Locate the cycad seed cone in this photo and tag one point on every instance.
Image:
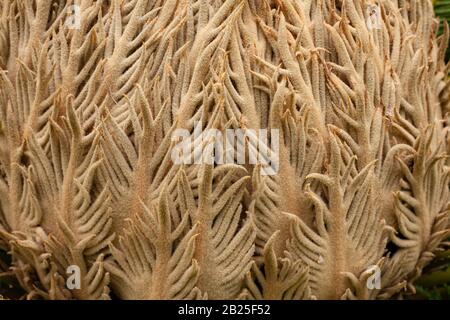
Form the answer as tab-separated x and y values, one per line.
354	95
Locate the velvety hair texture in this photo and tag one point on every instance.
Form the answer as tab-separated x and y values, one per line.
91	93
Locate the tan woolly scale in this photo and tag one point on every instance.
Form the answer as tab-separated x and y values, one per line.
87	117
